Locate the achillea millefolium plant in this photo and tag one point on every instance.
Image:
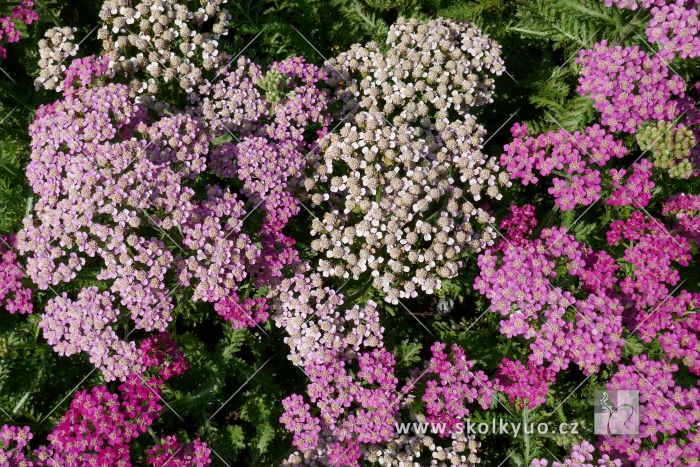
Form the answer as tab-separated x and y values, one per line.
350	233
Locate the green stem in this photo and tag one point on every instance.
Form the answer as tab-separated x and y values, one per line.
526	437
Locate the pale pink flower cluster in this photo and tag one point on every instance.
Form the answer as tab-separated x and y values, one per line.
669	416
87	324
352	384
582	455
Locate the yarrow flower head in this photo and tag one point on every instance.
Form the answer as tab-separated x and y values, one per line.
401	180
671	147
352	384
410	449
571	157
159	43
100	424
172	453
15	296
520	282
582	454
55	48
669	416
453	388
526	386
684	210
23	13
628	87
674	25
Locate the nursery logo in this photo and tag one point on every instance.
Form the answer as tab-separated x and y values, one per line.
616	413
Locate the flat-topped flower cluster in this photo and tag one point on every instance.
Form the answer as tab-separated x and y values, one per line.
399	183
168	171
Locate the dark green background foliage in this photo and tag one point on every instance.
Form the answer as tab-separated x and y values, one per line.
539	38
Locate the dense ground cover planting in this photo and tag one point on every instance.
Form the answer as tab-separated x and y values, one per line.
350	233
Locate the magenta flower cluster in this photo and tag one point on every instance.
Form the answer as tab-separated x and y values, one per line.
99	424
15	297
518	225
244	313
172	453
656	308
526	386
631	187
628	86
9	33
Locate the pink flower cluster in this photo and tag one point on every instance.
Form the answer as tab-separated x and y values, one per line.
635	189
669	416
87	325
222	253
570	157
646	291
581	456
106	175
674	25
352	384
628	86
13	440
452	387
103	176
684	210
268	117
519	281
9	33
82	71
99	425
525	386
634	4
15	297
172	453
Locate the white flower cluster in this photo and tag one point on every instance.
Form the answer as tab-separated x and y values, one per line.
400	181
164	39
409	450
54	51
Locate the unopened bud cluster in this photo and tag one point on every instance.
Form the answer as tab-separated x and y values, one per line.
670	146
